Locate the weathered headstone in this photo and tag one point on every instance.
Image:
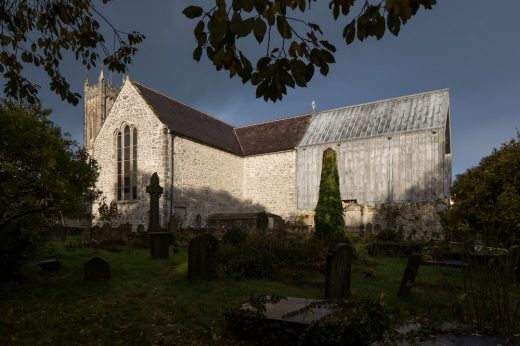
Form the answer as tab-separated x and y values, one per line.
97	269
159	244
58	233
155	191
49	265
172	229
123	231
143	236
377	229
201	257
337	276
368	229
410	272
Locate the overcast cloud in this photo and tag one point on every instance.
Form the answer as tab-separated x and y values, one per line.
469	46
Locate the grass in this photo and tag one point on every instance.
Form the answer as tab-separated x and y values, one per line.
151	301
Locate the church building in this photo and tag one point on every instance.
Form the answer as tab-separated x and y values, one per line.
394	159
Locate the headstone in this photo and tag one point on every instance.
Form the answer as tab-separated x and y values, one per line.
368	229
95	231
159	244
337	276
106	229
198	221
377	229
49	265
172	229
412	267
155	191
123	231
58	233
201	257
143	236
97	269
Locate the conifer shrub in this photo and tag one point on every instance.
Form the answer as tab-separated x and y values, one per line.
328	217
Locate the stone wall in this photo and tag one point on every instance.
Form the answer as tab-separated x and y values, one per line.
270	181
416	220
130	109
206	180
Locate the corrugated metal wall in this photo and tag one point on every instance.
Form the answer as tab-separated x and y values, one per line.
410	166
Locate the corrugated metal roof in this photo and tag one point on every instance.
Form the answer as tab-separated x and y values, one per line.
402	114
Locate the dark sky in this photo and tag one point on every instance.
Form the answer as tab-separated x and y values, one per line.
469	46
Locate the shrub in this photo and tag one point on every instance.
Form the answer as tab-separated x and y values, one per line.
389	235
234	236
328	217
245	262
17	245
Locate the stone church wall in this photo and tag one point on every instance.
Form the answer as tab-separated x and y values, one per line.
270	181
130	109
206	180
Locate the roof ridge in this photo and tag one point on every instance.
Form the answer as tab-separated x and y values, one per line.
274	120
385	100
182	103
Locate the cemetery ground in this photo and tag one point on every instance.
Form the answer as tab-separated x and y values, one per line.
150	301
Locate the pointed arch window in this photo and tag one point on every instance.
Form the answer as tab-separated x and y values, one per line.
126	164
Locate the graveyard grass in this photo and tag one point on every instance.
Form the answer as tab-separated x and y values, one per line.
151	301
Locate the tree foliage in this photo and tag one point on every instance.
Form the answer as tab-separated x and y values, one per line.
328	217
487	198
302	48
41	32
39	168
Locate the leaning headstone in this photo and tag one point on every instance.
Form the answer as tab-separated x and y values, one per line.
412	267
97	269
337	276
58	233
49	265
201	257
159	244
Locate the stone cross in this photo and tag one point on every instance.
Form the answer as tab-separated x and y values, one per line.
155	191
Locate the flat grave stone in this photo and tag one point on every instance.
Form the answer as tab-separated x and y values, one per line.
297	310
97	269
49	265
446	263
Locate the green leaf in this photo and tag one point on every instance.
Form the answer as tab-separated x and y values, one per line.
193	12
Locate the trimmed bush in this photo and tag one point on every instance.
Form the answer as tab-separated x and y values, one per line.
328	219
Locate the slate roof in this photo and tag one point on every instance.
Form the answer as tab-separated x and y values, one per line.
402	114
191	123
268	137
272	136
